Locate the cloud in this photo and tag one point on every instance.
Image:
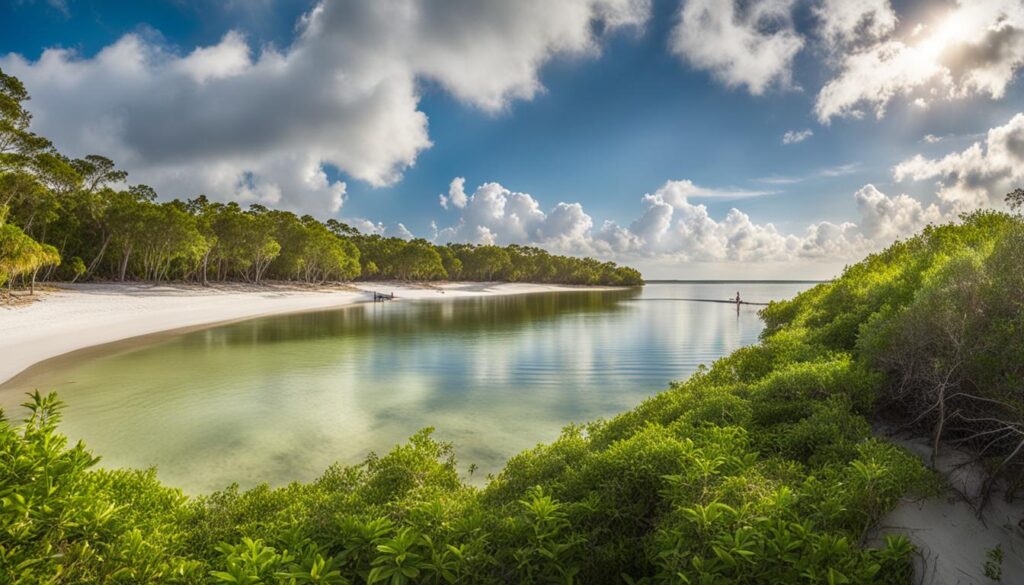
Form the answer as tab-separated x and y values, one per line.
688	233
885	218
670	229
974	49
261	124
839	170
846	24
748	44
493	214
395	230
794	136
873	77
456	194
823	173
673	229
683	189
979	176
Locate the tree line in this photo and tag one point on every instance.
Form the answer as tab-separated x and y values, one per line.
75	219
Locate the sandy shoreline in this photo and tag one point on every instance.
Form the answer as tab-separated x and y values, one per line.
85	315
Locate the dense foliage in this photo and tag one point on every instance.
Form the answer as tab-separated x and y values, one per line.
20	255
942	316
759	469
393	258
74	218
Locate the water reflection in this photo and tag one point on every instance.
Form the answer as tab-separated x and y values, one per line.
278	399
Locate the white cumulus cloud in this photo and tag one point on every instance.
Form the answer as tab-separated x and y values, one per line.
749	44
979	176
456	194
671	230
885	218
493	214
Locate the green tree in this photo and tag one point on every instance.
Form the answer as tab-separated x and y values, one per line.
1015	199
20	255
418	260
486	262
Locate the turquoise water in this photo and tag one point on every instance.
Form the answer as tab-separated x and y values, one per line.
278	399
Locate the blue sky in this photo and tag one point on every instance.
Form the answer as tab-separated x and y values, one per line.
622	109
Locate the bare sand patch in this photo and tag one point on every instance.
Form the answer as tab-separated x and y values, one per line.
952	538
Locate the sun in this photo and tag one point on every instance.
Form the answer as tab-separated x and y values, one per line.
950	29
936	40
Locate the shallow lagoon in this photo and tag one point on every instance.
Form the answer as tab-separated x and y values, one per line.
278	399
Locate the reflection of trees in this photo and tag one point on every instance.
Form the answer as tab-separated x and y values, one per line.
458	315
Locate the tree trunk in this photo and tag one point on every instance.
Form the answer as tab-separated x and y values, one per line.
48	274
939	424
124	263
206	262
99	256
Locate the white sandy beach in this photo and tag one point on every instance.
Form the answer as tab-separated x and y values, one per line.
85	315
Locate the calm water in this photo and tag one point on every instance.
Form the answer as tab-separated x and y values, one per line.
278	399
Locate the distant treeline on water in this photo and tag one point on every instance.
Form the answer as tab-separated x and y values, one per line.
70	219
